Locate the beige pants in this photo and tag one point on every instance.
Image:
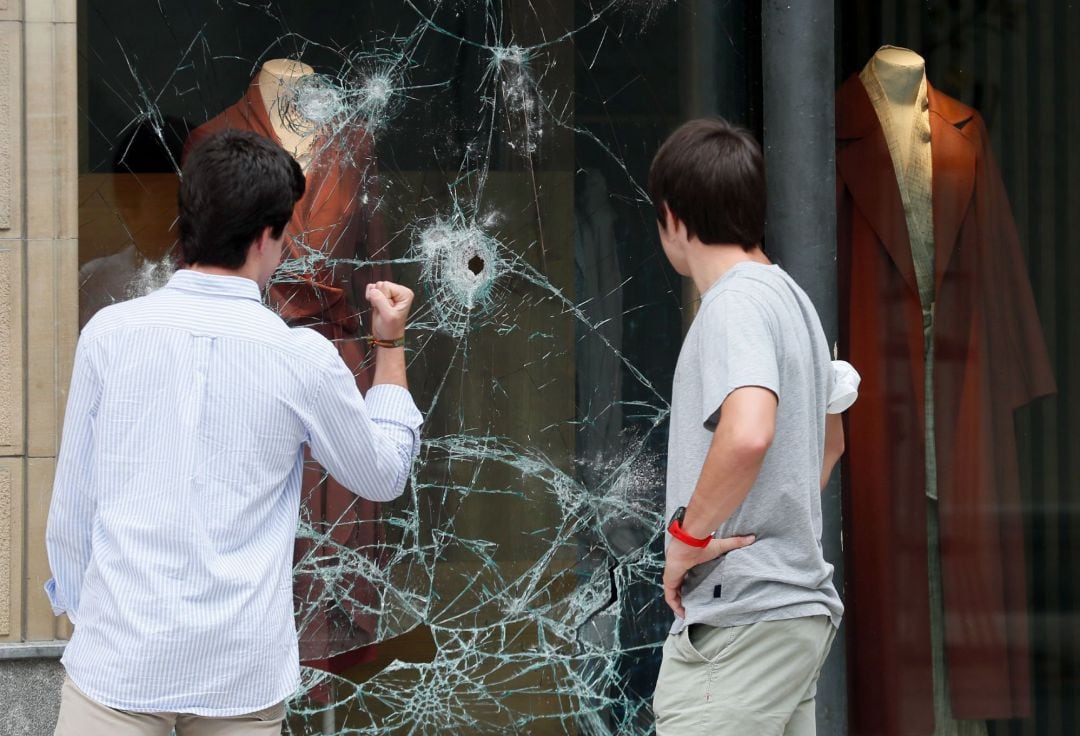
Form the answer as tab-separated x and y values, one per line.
81	716
756	680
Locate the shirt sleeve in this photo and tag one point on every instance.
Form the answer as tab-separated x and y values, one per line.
68	531
738	350
367	445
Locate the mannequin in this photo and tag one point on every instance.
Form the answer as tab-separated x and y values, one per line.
335	220
895	79
276	81
902	75
937	314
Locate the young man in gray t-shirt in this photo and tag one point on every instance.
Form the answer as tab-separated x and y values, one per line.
750	449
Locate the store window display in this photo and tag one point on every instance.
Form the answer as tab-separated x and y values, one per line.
938	314
510	588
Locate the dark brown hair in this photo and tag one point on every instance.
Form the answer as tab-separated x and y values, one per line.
235	184
711	175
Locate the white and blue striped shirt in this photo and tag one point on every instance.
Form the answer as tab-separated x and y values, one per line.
177	492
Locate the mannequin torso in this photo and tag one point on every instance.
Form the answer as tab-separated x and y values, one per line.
895	80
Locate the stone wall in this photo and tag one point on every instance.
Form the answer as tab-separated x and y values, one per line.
38	306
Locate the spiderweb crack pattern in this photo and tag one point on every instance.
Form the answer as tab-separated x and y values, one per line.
526	545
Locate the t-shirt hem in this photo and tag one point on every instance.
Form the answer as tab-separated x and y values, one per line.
802	610
108	702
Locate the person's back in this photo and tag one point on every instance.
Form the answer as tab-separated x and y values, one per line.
749	450
177	491
757	325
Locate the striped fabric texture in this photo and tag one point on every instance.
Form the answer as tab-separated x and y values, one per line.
177	492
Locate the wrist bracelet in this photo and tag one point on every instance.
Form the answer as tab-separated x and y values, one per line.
398	343
675	530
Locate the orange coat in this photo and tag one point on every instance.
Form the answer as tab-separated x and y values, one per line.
989	359
335	219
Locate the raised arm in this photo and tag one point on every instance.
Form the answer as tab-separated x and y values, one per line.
368	444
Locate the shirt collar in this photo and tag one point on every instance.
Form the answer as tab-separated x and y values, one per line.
206	283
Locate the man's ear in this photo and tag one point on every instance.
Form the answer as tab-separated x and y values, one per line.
673	226
666	222
264	238
258	246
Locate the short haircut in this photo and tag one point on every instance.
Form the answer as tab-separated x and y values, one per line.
711	175
234	184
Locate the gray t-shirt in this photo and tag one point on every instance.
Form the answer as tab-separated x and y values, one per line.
756	327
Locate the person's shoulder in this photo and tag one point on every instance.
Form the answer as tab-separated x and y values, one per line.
109	319
743	291
728	312
770	288
313	346
757	279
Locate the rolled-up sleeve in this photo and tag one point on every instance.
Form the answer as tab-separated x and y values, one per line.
367	445
393	409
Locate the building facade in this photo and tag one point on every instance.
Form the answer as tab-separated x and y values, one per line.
494	155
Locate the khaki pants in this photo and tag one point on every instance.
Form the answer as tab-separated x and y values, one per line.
756	680
81	716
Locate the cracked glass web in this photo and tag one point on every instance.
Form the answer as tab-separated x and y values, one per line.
514	588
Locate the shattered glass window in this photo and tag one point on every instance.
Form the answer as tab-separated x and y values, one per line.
492	156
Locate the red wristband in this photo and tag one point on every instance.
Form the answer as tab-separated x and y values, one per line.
675	529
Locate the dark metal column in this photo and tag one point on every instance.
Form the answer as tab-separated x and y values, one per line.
798	91
719	73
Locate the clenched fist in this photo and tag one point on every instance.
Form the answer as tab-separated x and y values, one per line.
390	304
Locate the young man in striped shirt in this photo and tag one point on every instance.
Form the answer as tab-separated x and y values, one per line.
177	490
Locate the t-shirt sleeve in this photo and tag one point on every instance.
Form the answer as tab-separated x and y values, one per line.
738	350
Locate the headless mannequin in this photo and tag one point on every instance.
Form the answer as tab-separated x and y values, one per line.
277	82
895	80
901	73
